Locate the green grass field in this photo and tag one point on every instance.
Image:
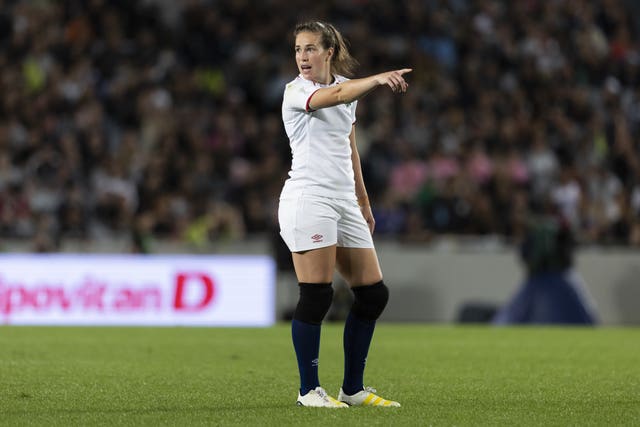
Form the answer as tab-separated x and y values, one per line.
442	375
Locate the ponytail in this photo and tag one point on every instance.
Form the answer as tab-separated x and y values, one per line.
342	62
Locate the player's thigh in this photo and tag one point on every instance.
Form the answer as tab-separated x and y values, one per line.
358	266
315	266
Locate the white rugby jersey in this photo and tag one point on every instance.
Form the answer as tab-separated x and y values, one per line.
321	152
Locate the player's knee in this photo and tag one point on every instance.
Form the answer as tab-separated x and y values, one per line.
314	302
370	301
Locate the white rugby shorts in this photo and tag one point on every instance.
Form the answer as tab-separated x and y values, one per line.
310	222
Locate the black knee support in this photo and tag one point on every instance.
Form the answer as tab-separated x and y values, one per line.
314	302
370	301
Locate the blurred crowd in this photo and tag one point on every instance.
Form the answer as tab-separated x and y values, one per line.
161	119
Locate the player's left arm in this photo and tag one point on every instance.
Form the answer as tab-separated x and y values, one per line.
361	191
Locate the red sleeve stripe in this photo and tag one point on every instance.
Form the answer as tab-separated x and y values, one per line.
306	107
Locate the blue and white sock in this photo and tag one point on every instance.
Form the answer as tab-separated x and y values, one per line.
306	342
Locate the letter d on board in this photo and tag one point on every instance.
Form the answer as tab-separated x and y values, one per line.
191	281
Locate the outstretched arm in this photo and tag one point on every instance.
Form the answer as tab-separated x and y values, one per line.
355	89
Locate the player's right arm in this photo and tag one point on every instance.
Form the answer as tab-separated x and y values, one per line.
352	90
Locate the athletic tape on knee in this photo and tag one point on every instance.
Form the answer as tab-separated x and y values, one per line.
370	301
314	302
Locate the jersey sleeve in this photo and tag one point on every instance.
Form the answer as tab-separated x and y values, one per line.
354	105
297	96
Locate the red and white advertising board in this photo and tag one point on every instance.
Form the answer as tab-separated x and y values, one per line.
160	290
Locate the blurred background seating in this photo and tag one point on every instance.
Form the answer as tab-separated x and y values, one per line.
161	119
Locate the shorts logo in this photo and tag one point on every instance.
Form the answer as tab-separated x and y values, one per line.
317	238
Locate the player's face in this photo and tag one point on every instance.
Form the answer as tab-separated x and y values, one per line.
314	61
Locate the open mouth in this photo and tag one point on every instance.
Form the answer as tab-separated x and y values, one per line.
305	67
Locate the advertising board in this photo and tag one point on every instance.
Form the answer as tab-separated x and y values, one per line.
161	290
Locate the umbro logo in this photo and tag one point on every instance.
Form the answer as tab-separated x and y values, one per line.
317	238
